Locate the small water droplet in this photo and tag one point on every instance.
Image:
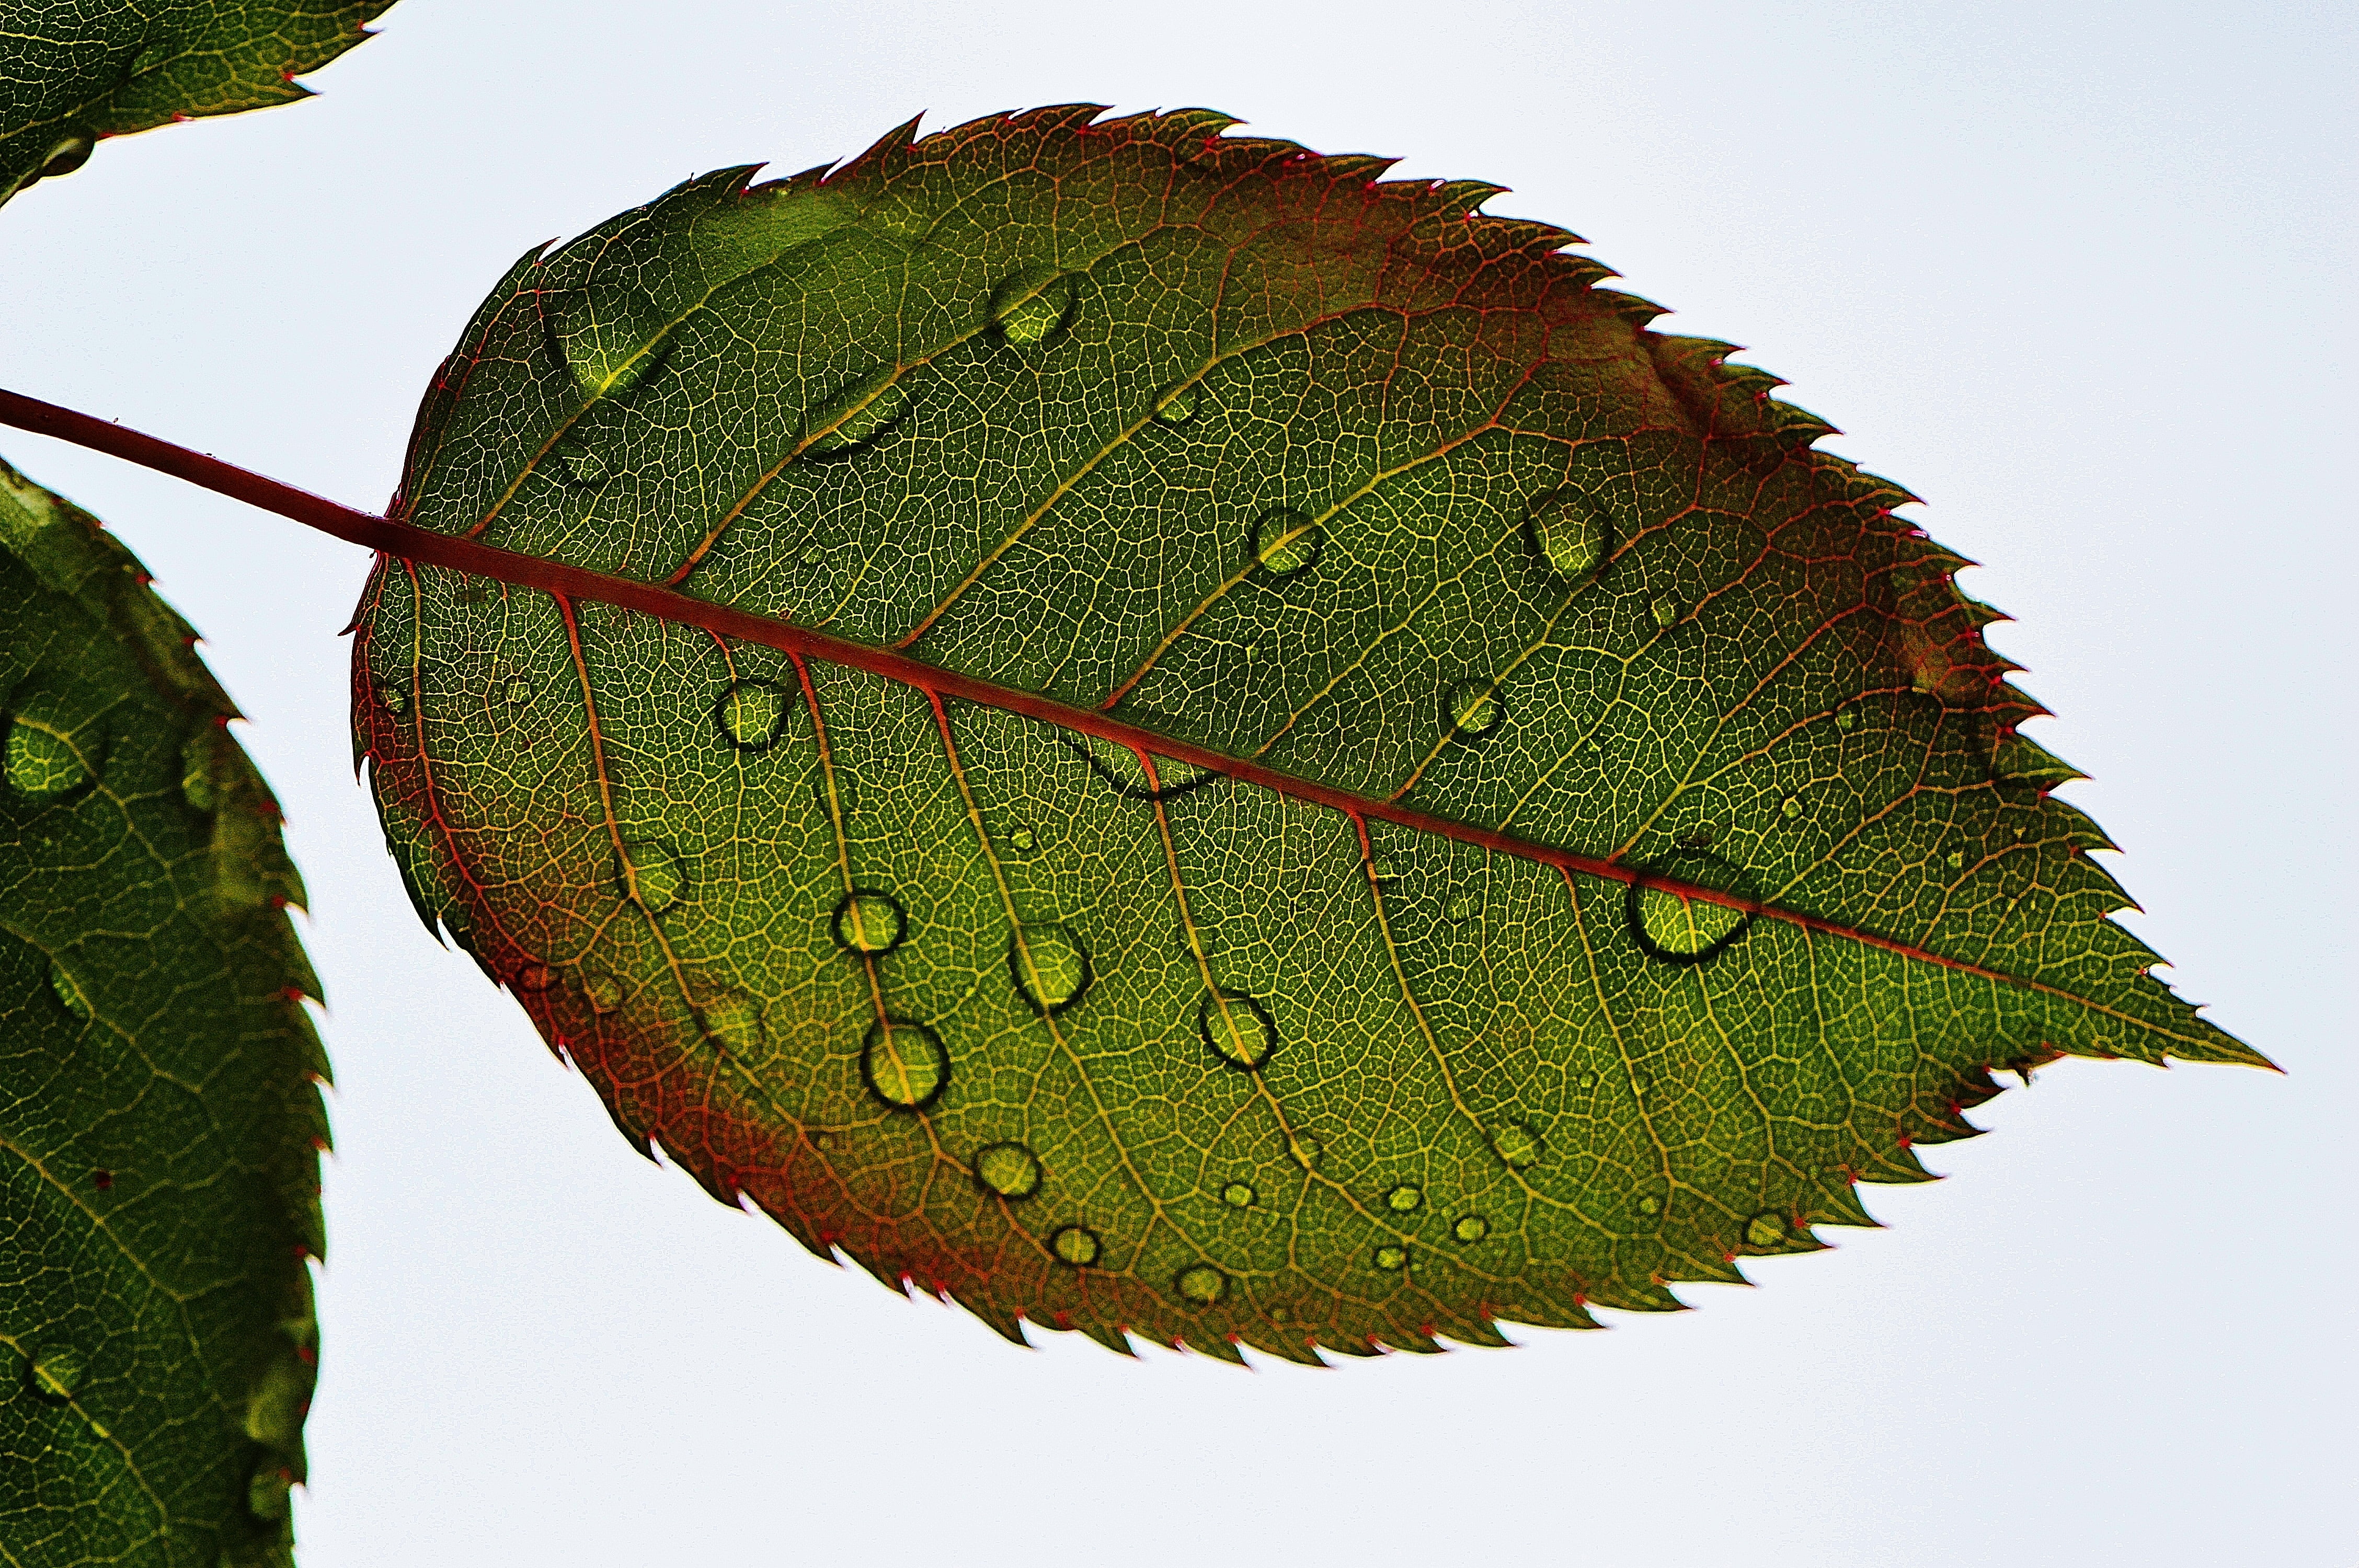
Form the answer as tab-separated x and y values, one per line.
732	1021
197	776
650	875
862	414
1075	1245
1384	868
1567	530
67	154
1237	1028
1238	1194
1305	1151
1201	1284
1008	1169
394	696
1469	1228
1516	1145
1392	1257
752	714
1792	807
69	992
55	1373
1286	541
1650	1205
867	921
1845	719
1665	611
1459	908
535	978
1175	404
1404	1199
1589	1080
1471	708
1022	840
1050	967
1680	927
903	1063
602	990
580	465
518	691
1957	860
41	763
1032	306
1766	1228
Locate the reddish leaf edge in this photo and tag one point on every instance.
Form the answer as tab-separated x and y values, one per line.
568	584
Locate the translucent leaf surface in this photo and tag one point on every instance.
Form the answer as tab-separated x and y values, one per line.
159	1114
73	72
1409	799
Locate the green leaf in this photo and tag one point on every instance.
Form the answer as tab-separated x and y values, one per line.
159	1114
73	72
1365	793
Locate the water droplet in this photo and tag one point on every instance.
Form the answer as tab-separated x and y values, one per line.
1459	908
1792	807
1032	306
535	978
1201	1284
609	344
1075	1245
1678	926
1120	767
732	1021
1516	1145
1238	1194
1589	1080
603	991
1384	868
1650	1205
1237	1028
1008	1169
395	695
579	465
1567	530
1404	1199
265	1492
650	875
812	554
867	921
197	776
518	691
862	414
1845	719
69	992
67	154
1175	404
1022	840
1050	967
752	714
1471	706
904	1064
1469	1228
1392	1257
1665	611
41	763
1305	1151
1957	860
1766	1228
55	1373
1286	541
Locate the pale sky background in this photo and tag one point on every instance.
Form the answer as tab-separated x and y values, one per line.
2079	275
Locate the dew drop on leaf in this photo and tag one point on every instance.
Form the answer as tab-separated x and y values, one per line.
1201	1284
1469	1228
1237	1028
1792	807
1050	966
1650	1205
69	992
1176	405
1404	1199
535	978
1516	1145
1665	611
1238	1194
69	153
603	991
1392	1257
1286	541
41	764
1472	706
732	1021
580	466
1766	1228
869	922
1567	530
752	714
903	1064
859	417
1677	926
518	691
1305	1151
1075	1245
266	1491
650	875
55	1372
1022	840
1032	306
1845	719
394	696
1010	1170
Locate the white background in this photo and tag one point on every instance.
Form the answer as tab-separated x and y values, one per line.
2079	275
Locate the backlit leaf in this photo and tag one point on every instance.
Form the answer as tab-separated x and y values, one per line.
1512	825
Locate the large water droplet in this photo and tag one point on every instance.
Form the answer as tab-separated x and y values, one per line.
1050	966
752	714
650	875
867	921
1676	925
1286	541
1120	767
1175	404
609	341
1471	706
1201	1284
1567	530
903	1064
67	154
1392	1257
42	764
732	1021
1075	1245
858	416
1405	1199
1008	1169
1237	1028
69	992
1238	1194
1032	306
1516	1145
55	1372
1767	1228
1469	1228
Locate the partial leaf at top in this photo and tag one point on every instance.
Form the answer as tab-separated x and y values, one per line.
160	1111
1637	851
73	72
